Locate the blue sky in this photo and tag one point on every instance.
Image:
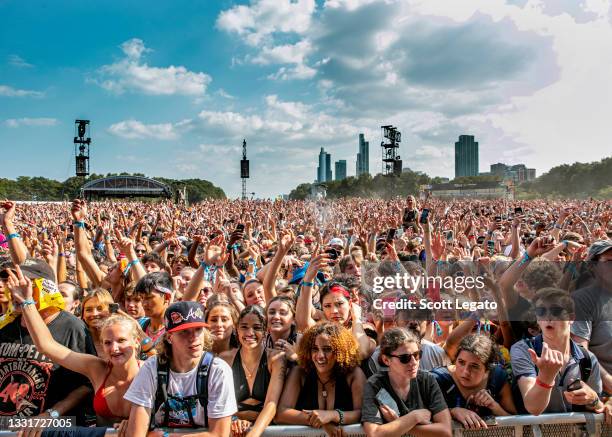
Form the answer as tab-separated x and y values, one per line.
173	87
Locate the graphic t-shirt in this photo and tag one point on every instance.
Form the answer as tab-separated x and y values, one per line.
221	397
29	382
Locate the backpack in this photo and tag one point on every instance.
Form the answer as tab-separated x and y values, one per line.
536	343
162	396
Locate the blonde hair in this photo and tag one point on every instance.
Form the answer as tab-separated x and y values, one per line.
103	296
164	348
122	318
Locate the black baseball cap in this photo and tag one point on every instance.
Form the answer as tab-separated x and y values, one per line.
31	268
184	315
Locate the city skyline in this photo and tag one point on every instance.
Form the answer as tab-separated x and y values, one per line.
174	92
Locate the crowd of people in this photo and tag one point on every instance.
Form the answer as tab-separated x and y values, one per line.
231	316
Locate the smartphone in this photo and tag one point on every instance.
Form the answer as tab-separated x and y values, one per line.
491	247
518	210
113	308
449	235
390	235
574	385
424	216
383	397
498	218
240	227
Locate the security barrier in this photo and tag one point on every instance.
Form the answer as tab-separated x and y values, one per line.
546	425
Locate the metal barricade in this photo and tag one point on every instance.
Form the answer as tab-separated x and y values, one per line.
546	425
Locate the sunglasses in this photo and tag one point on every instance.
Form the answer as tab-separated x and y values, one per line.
141	251
555	311
406	358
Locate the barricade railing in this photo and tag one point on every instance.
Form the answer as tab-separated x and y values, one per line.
545	425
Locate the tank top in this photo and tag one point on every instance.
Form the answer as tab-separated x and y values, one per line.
309	394
260	385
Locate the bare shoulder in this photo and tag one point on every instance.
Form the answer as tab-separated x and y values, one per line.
229	356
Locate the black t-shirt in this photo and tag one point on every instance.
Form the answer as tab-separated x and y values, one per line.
424	394
30	383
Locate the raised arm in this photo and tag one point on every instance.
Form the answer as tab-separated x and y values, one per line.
85	364
17	248
286	241
303	309
79	214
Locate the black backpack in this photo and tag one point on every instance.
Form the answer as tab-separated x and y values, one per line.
536	343
162	396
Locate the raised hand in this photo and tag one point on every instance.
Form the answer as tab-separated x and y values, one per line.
79	210
548	363
19	285
7	213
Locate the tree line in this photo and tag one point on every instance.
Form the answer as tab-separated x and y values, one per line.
43	189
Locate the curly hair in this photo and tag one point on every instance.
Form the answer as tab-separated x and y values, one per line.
344	346
542	274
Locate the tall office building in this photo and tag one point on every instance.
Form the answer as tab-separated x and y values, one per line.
340	169
466	156
324	171
363	156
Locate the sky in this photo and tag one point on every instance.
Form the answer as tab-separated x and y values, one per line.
172	88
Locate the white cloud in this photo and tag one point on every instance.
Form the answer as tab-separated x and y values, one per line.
262	18
284	54
18	61
133	129
133	74
8	91
41	121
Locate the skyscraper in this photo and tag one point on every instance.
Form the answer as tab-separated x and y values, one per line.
340	169
363	156
324	171
466	156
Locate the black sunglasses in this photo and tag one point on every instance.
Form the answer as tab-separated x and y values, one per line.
405	358
555	311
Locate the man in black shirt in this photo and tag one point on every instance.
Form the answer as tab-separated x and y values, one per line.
30	384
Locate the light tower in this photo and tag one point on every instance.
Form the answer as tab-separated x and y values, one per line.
391	162
244	170
81	142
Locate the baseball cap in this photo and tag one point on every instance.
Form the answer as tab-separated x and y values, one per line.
184	315
598	248
336	242
35	269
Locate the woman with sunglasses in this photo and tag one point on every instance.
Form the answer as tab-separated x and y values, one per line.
258	375
550	369
325	390
475	387
337	304
403	399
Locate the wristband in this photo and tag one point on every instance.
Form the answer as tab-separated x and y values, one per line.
565	243
341	414
27	302
11	236
558	226
203	265
131	263
543	384
79	224
307	284
594	403
252	261
526	258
